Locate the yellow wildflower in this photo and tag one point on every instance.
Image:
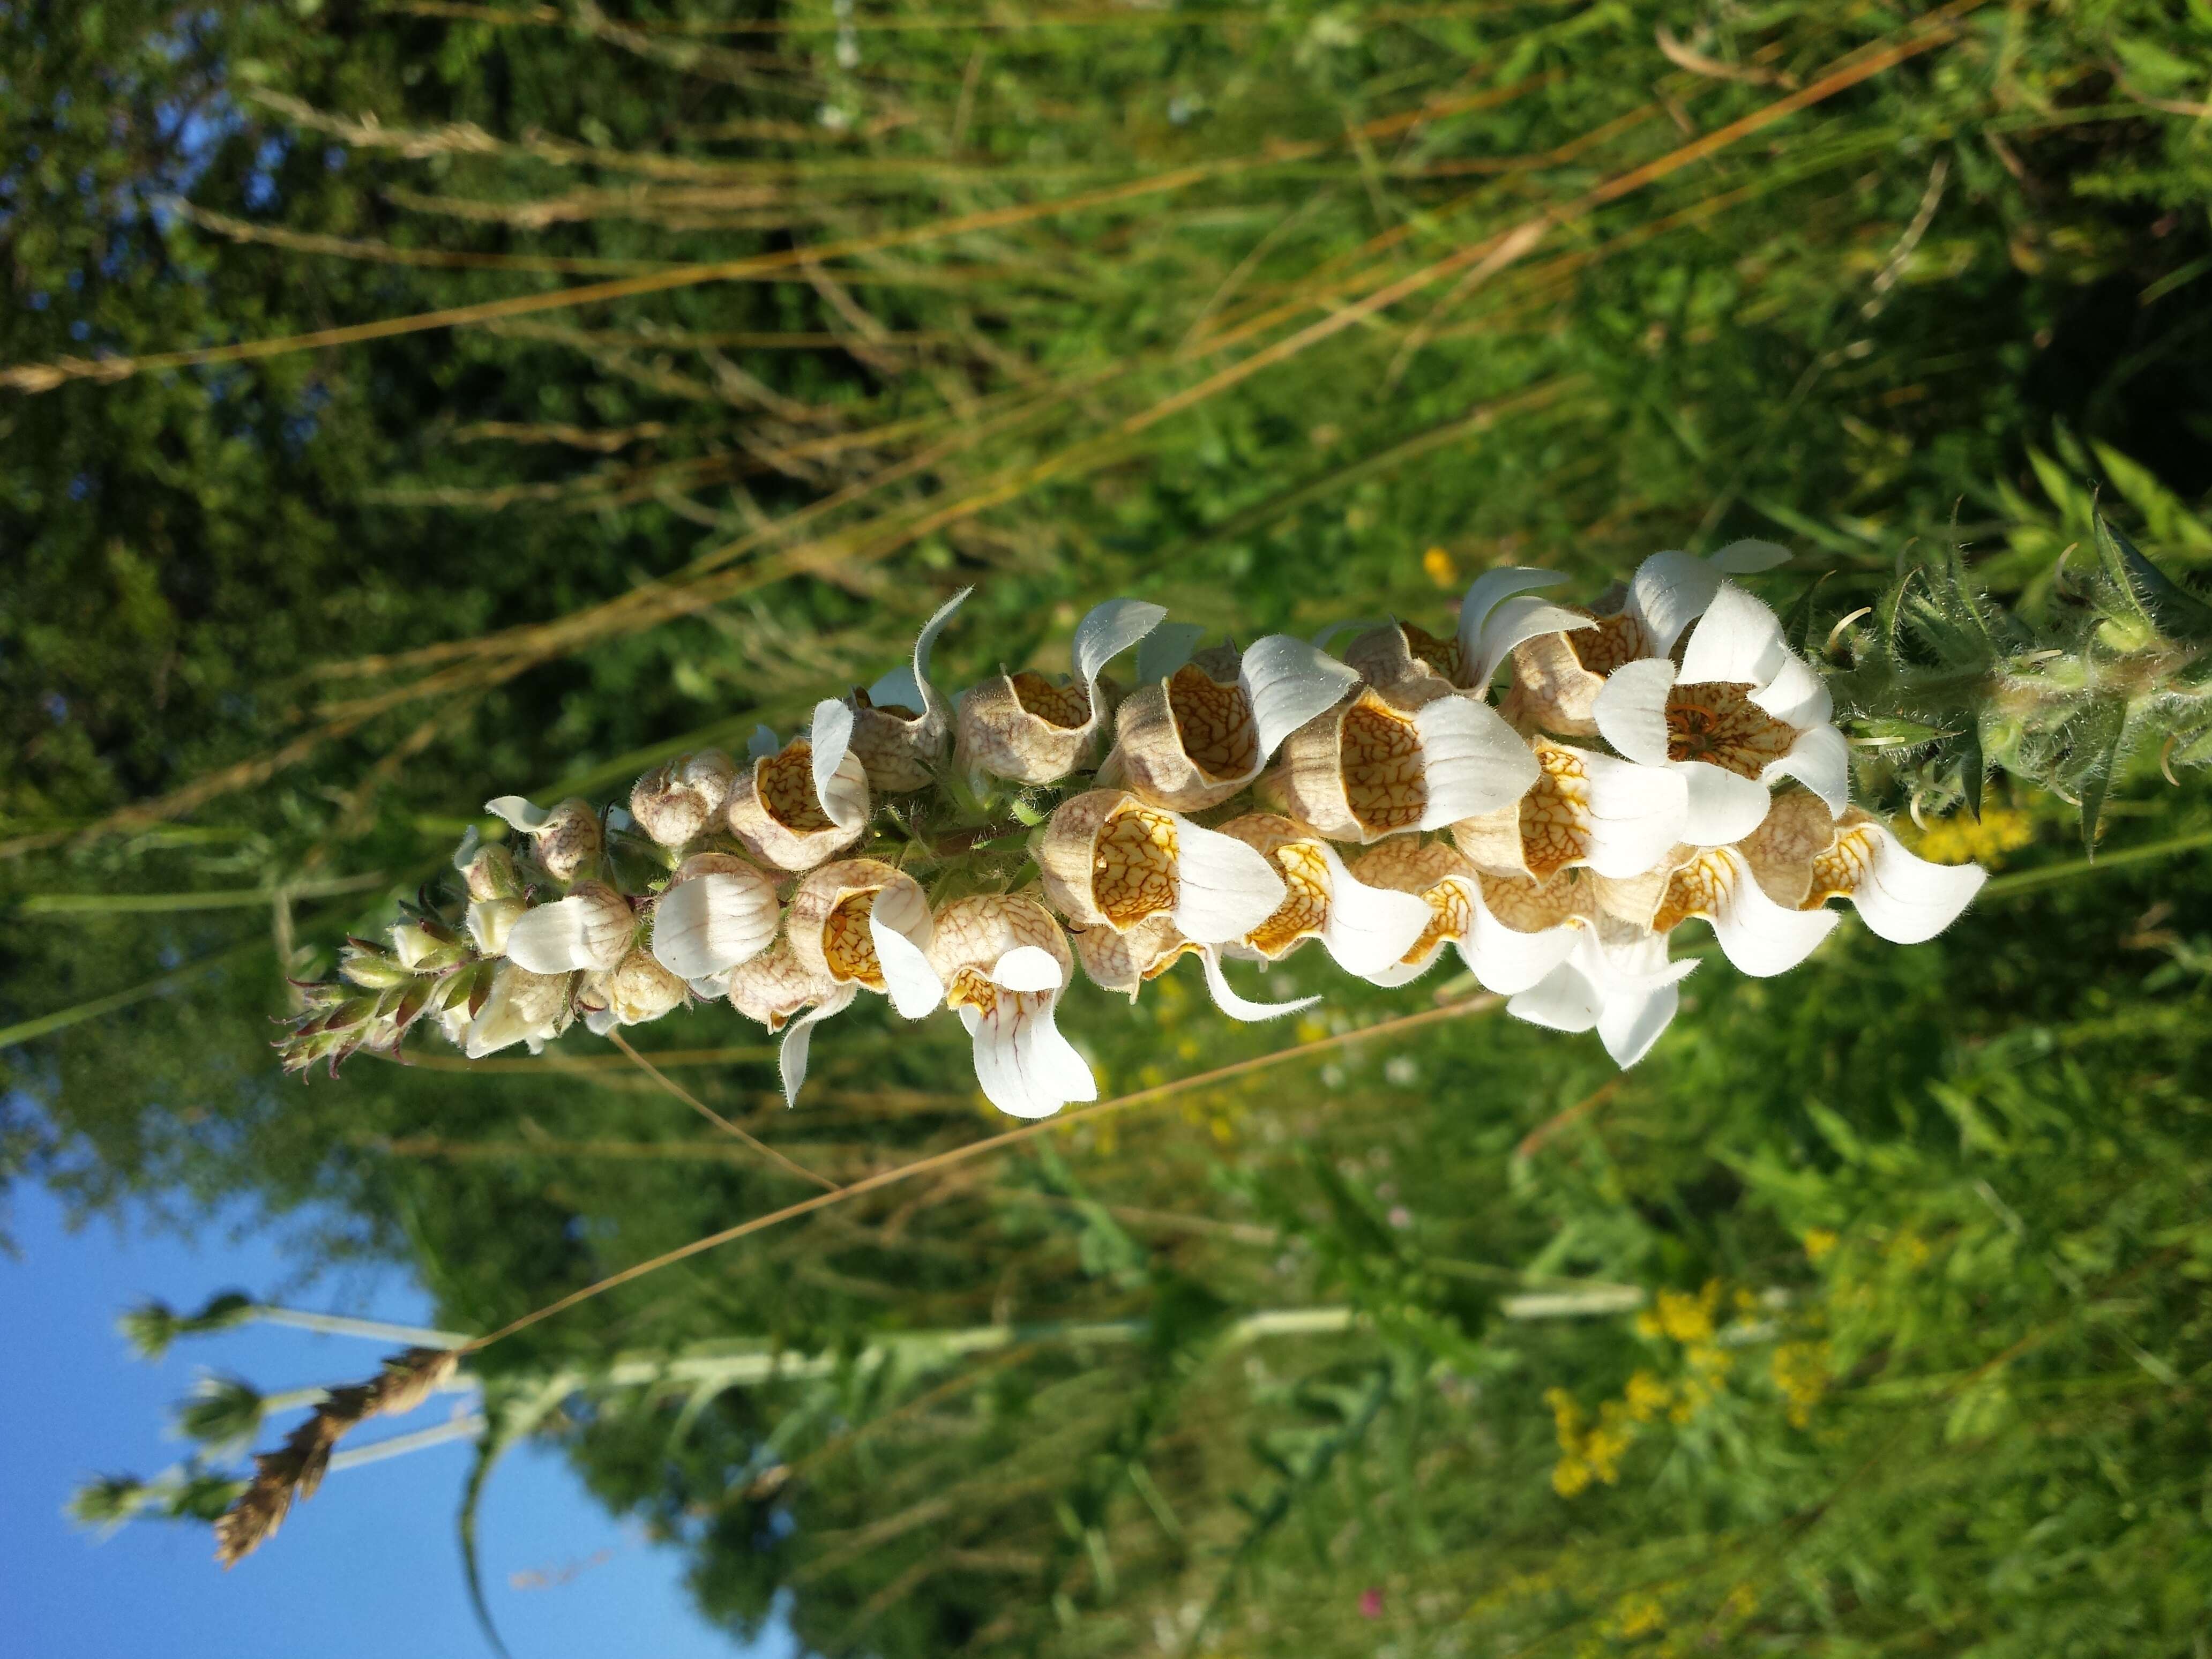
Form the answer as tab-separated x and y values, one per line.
1964	840
1648	1396
1819	1241
1801	1372
1441	567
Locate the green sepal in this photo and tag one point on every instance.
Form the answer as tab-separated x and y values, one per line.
2171	609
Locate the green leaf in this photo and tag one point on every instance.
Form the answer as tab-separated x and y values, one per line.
2173	610
2094	736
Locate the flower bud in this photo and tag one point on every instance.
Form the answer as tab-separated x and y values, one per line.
567	839
590	929
638	991
490	874
491	920
675	802
414	945
523	1007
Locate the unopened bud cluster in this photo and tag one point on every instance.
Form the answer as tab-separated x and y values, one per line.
1549	791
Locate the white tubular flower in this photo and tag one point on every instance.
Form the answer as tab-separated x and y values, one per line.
806	801
1802	857
859	921
1617	979
1584	808
1198	731
1557	675
523	1007
676	801
901	725
639	990
566	837
1419	758
1505	957
1005	962
590	929
1364	928
1742	711
1496	616
1028	729
717	912
1757	935
1108	858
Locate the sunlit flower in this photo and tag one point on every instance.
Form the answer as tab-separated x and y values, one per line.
1196	732
1583	808
1507	953
1557	675
1027	728
1419	758
491	920
1617	979
1802	858
1742	711
1124	961
857	925
772	986
1004	963
1496	615
590	929
523	1007
676	801
1364	928
1108	858
806	800
901	725
717	912
637	991
566	837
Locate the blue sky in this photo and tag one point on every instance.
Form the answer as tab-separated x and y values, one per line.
367	1568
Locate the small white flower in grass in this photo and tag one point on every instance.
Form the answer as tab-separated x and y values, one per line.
1199	729
806	801
590	929
1108	858
1802	857
1028	729
1419	757
1498	614
901	725
1616	980
1742	712
1005	962
566	837
1364	928
523	1007
1506	954
1557	675
1584	808
717	912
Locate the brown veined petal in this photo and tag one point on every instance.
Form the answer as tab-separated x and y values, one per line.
779	815
828	921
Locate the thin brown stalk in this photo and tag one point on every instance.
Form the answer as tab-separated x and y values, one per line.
716	1117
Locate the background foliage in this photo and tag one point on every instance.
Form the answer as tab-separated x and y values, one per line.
1277	315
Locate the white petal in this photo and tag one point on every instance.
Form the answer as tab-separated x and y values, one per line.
1472	761
927	700
710	987
1796	694
1905	899
1289	683
1507	961
471	841
1508	625
618	818
581	930
1820	760
1025	1066
1759	936
1110	630
1223	889
1637	814
1028	967
830	736
1236	1007
900	687
1737	641
1368	929
914	988
1631	709
709	924
1485	592
1564	1000
1165	649
762	743
1632	1021
1749	557
489	922
600	1021
1723	807
1669	591
519	813
799	1039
